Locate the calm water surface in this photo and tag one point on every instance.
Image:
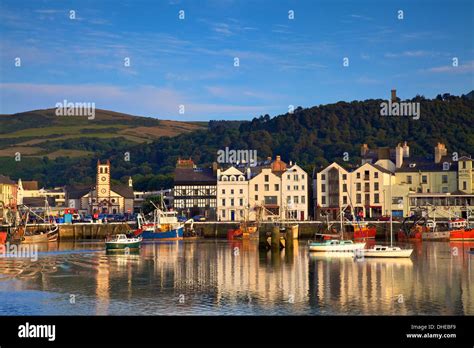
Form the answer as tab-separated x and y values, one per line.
234	278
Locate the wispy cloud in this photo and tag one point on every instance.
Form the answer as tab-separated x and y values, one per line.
467	67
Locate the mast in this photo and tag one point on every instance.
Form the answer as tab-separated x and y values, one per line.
391	212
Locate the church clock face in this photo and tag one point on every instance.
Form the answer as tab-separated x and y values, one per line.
103	178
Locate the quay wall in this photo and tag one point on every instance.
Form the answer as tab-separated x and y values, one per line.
307	229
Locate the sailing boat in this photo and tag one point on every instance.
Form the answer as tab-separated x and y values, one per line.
388	251
336	245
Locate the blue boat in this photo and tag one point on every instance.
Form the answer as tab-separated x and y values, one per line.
172	234
165	226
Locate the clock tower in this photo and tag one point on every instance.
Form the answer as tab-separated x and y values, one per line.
103	181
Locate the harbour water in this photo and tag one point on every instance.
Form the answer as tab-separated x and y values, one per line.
219	277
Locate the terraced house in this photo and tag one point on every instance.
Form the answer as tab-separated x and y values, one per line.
390	181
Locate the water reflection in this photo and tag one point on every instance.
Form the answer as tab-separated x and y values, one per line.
221	277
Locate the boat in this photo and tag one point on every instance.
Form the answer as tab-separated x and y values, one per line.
3	237
387	251
121	242
165	225
465	234
362	230
335	245
431	232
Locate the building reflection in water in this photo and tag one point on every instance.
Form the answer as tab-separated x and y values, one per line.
212	277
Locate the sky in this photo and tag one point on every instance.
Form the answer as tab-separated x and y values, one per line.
283	60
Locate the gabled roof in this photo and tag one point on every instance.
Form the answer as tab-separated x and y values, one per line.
424	165
194	176
123	190
30	185
77	191
6	180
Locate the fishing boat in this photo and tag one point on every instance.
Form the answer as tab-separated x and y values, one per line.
121	242
361	230
460	230
432	233
335	245
165	225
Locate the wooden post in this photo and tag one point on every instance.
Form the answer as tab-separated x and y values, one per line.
276	238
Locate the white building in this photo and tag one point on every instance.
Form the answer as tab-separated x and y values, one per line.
232	194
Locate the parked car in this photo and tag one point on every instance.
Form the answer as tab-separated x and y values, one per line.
199	218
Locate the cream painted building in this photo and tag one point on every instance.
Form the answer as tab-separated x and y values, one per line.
441	186
270	191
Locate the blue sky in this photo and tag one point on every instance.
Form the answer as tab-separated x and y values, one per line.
190	62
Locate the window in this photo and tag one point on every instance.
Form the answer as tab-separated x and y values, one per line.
232	191
241	213
424	179
409	179
288	176
223	202
223	213
367	198
303	199
231	202
196	192
376	186
344	187
267	187
358	186
302	187
366	175
344	199
323	188
241	191
463	163
256	187
323	176
295	187
288	199
223	191
358	198
376	198
288	188
295	199
323	200
444	179
464	185
444	189
270	199
256	198
376	175
344	176
358	175
241	201
302	176
295	177
277	187
367	187
266	178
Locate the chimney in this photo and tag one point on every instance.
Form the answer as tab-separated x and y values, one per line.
394	95
398	156
130	181
406	150
249	173
364	149
440	151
